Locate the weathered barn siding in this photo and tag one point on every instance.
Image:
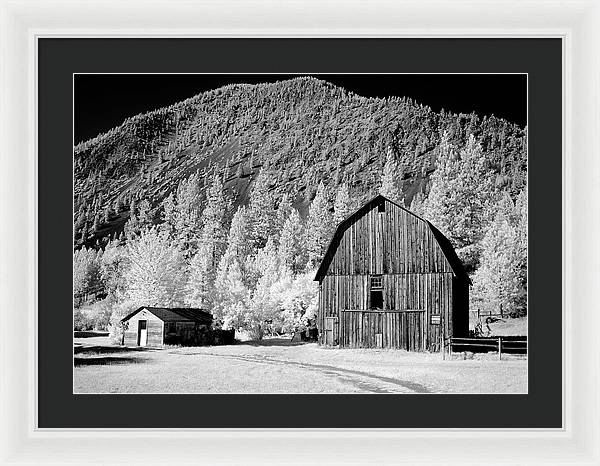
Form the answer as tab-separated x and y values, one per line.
418	281
394	241
375	329
427	293
154	328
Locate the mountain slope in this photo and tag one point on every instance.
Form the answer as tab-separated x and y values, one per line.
302	130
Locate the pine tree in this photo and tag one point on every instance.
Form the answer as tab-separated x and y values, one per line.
144	215
416	205
96	225
261	212
461	199
390	179
203	267
284	209
240	170
238	249
290	250
342	205
132	208
140	220
118	205
84	232
169	213
318	228
198	287
182	214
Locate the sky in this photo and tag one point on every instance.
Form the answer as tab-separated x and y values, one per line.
103	101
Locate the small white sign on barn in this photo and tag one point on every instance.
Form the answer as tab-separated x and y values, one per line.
436	319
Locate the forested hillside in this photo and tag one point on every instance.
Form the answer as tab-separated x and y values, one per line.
303	131
237	190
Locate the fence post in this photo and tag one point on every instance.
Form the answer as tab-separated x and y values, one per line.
500	348
501	315
443	348
478	316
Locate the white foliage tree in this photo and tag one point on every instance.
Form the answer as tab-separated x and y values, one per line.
113	265
87	277
297	301
318	228
230	287
262	305
284	209
230	309
157	272
390	180
291	250
342	205
416	205
501	278
461	199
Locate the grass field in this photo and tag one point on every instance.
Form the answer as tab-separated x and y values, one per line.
503	327
277	366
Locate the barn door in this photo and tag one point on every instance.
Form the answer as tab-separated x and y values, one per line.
411	331
415	328
142	332
331	331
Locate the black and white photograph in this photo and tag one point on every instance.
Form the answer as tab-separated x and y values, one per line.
300	233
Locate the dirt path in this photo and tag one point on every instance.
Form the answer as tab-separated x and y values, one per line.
364	381
279	366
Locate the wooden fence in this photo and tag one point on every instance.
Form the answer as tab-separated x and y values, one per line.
478	313
506	345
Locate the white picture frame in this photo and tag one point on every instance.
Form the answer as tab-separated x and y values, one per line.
577	22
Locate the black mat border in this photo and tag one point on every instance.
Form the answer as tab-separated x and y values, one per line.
58	59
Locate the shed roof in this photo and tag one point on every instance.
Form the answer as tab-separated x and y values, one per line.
443	242
175	314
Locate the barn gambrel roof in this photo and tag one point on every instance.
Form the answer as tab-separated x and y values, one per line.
445	245
175	314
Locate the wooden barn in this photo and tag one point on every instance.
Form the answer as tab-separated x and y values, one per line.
157	326
390	279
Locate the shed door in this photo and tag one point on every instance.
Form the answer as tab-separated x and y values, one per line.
331	331
142	332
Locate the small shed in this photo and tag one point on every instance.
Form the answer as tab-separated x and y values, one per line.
158	326
390	279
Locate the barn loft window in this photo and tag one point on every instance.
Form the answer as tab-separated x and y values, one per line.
376	292
376	282
381	207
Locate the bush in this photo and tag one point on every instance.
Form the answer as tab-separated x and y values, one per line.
81	321
115	326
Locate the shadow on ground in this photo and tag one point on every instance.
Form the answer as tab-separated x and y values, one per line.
273	342
105	360
88	334
85	349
